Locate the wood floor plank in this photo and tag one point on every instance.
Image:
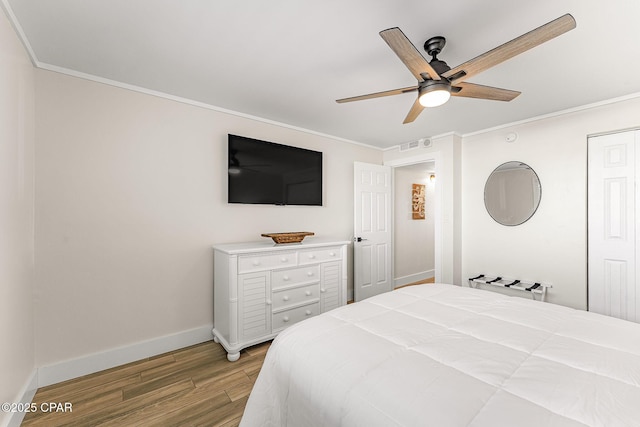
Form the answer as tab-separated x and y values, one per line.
259	349
222	415
158	412
225	367
210	349
184	363
238	391
252	369
81	394
232	423
186	415
224	381
133	405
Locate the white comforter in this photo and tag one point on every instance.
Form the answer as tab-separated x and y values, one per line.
442	355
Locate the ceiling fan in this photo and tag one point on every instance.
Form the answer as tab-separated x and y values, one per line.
437	81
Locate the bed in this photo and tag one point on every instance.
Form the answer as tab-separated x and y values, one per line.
442	355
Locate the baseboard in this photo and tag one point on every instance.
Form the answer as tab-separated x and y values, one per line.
27	393
412	278
96	362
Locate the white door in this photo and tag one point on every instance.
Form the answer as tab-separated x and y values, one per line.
372	230
612	217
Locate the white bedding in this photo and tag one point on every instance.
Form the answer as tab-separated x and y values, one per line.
442	355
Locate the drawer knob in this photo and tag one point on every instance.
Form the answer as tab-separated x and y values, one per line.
323	290
268	302
286	278
308	312
310	273
256	263
308	293
285	319
283	259
311	256
332	254
285	298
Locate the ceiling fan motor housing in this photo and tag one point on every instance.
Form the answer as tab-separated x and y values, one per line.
441	67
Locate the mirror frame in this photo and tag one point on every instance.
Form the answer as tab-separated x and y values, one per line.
534	208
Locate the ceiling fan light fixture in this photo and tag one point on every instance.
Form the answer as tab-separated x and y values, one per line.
435	93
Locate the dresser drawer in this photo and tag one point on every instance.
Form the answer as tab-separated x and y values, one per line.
315	255
295	296
292	277
265	261
287	318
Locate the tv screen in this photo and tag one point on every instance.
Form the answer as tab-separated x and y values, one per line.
262	172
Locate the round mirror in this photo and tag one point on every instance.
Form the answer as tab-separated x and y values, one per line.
512	193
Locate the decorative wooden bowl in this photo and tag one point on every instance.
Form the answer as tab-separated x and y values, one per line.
280	238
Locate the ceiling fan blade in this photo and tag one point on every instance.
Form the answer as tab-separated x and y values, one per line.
512	48
415	111
408	54
378	94
472	90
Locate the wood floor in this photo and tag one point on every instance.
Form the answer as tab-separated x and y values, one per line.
194	386
421	282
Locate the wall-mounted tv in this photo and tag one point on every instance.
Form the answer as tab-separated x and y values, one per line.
262	172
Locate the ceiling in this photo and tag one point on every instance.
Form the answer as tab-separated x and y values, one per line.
289	60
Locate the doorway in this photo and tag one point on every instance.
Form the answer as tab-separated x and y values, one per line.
434	159
414	223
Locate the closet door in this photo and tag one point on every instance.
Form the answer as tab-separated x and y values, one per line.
613	218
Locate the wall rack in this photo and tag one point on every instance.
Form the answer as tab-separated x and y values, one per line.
532	287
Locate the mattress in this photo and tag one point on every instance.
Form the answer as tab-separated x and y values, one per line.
442	355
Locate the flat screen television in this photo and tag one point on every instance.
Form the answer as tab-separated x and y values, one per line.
262	172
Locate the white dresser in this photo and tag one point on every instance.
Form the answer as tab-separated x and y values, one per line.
261	288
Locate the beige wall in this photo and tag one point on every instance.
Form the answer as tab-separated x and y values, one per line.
130	196
552	246
16	218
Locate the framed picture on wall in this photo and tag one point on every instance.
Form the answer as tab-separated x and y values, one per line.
417	201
